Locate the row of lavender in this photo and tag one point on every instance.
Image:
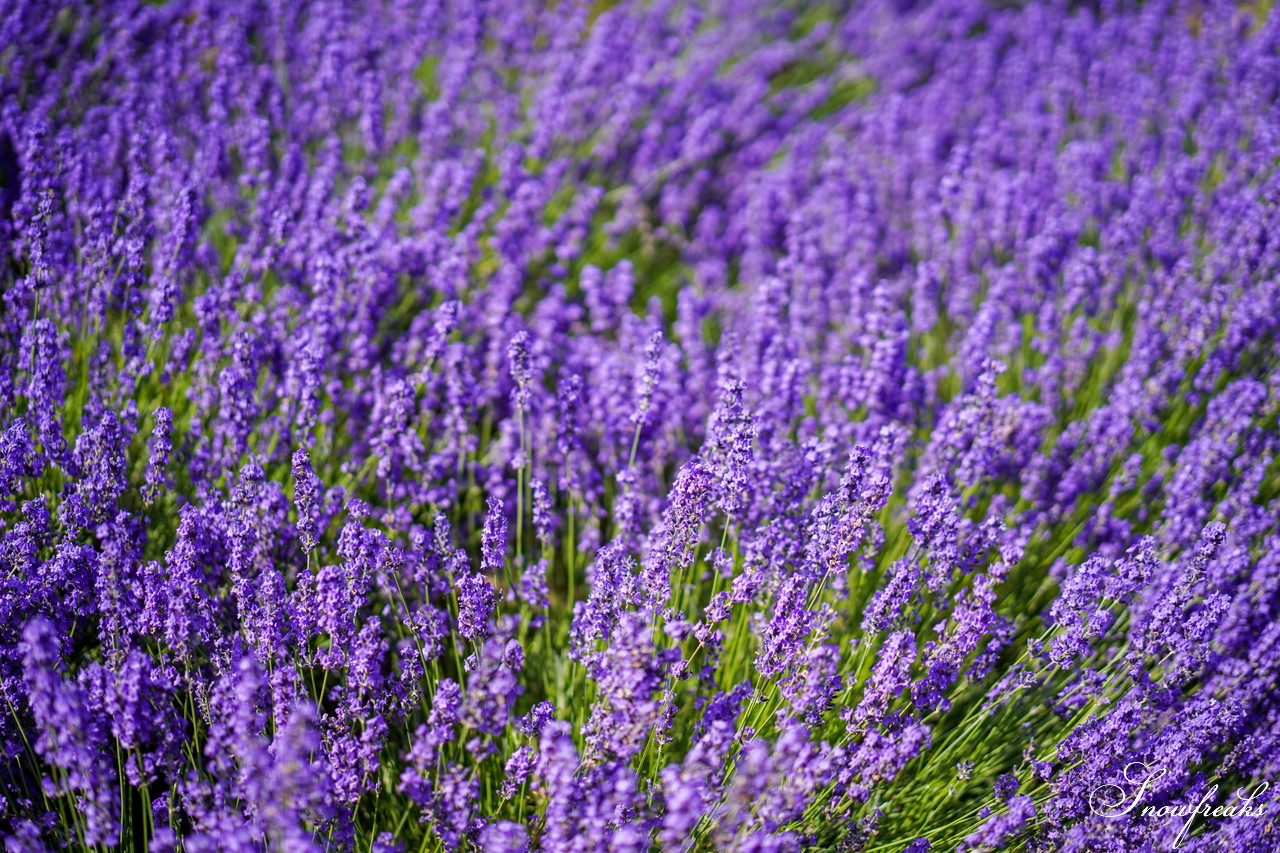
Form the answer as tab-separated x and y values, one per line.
739	426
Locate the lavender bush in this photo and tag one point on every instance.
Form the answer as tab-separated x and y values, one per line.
644	426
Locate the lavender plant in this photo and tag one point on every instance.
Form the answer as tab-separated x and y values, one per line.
731	425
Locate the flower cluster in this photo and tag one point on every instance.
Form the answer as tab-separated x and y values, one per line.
593	426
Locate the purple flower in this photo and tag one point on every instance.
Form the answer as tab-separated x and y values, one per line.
161	447
476	600
518	357
997	831
305	489
517	769
1006	786
543	522
504	837
681	522
781	644
70	736
647	380
494	543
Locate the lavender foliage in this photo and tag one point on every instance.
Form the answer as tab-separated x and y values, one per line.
622	426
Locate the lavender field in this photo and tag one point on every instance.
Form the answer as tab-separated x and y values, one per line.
587	426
